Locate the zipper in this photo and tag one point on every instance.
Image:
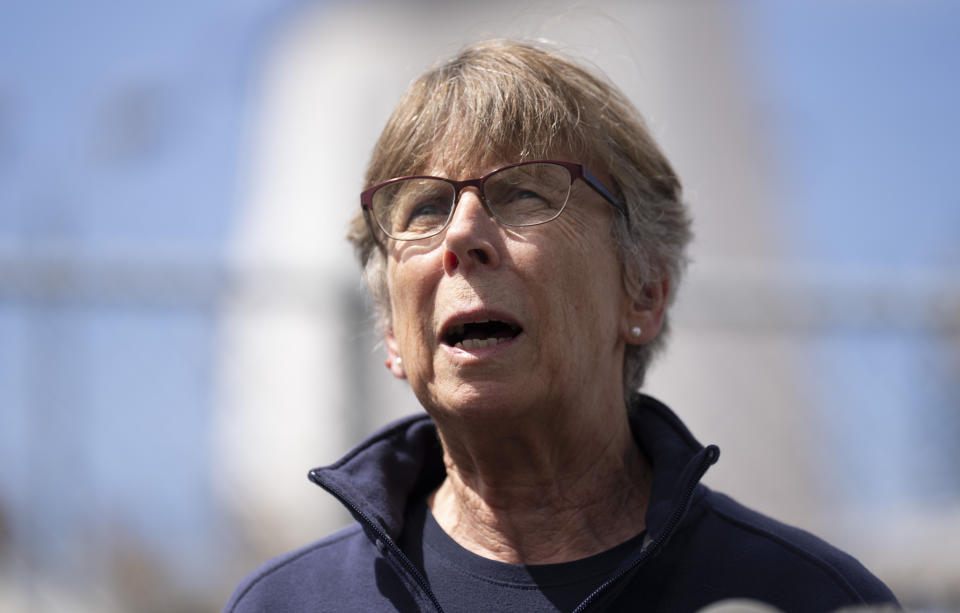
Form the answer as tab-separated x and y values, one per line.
712	452
382	536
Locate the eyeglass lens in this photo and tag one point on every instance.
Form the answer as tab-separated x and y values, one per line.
523	195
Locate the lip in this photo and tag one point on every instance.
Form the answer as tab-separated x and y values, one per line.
478	315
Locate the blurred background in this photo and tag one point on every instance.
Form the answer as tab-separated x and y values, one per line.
183	332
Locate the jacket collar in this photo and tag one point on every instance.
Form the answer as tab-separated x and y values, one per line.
404	462
678	460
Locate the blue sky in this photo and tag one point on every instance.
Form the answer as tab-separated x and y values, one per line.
865	99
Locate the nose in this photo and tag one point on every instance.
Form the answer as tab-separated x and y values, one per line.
472	237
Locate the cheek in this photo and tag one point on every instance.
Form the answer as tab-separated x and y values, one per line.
402	303
586	281
584	255
410	302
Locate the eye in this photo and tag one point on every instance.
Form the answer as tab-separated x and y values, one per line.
517	194
428	208
524	197
522	191
527	194
523	194
426	212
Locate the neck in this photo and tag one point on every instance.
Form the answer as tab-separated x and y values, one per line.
543	495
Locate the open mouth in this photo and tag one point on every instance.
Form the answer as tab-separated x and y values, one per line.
480	334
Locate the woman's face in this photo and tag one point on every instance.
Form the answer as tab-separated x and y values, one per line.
492	318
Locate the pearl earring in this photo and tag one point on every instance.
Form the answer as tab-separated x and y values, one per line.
636	331
399	362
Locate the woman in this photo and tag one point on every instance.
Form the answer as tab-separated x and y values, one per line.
522	237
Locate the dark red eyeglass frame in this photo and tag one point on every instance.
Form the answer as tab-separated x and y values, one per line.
576	170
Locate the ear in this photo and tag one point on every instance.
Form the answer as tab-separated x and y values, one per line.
645	312
394	363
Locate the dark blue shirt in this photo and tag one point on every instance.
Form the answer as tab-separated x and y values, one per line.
465	582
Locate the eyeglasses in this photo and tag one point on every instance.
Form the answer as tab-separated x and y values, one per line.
522	194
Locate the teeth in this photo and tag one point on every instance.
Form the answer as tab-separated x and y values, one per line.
479	343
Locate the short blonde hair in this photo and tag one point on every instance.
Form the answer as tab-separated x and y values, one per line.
515	101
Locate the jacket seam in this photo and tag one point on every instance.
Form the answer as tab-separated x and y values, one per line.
817	561
308	550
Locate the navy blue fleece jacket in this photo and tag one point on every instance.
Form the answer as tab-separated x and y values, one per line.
701	546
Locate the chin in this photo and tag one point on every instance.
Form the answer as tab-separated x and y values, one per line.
480	401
